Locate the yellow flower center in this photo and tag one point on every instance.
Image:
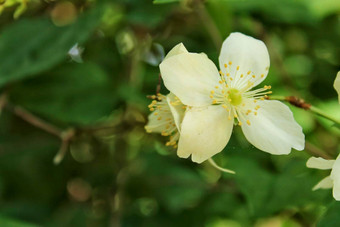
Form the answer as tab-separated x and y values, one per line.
234	96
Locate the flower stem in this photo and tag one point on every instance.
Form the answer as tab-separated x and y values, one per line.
213	163
306	106
323	114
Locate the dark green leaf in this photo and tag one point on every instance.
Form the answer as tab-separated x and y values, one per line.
29	46
10	222
75	93
165	1
331	218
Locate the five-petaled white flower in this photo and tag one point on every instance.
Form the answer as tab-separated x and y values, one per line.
215	98
331	181
337	84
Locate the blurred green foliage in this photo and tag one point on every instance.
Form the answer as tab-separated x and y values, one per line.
113	173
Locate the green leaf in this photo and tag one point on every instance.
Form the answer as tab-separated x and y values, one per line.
164	1
268	192
174	186
9	222
31	46
331	218
75	93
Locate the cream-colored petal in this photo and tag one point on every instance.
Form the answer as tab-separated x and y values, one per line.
319	163
177	109
246	58
273	129
337	84
178	49
205	132
161	119
325	183
335	175
191	77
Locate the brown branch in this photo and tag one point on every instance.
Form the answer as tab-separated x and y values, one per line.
298	102
66	136
37	122
158	88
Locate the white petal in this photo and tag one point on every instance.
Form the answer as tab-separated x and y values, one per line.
319	163
161	119
337	84
177	110
335	175
157	123
190	77
249	54
273	129
178	49
325	183
205	132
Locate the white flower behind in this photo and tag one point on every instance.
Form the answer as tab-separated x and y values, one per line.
166	117
331	181
215	98
337	84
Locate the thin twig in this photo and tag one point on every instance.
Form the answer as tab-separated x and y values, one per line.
65	135
158	88
315	151
300	103
66	140
37	122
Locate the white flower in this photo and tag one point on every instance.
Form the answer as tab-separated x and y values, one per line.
216	98
337	84
331	181
167	111
166	117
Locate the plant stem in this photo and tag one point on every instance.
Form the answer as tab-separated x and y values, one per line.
323	114
65	135
37	122
306	106
213	163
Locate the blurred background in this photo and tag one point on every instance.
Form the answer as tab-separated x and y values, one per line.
74	80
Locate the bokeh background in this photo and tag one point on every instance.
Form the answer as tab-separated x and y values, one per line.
90	105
